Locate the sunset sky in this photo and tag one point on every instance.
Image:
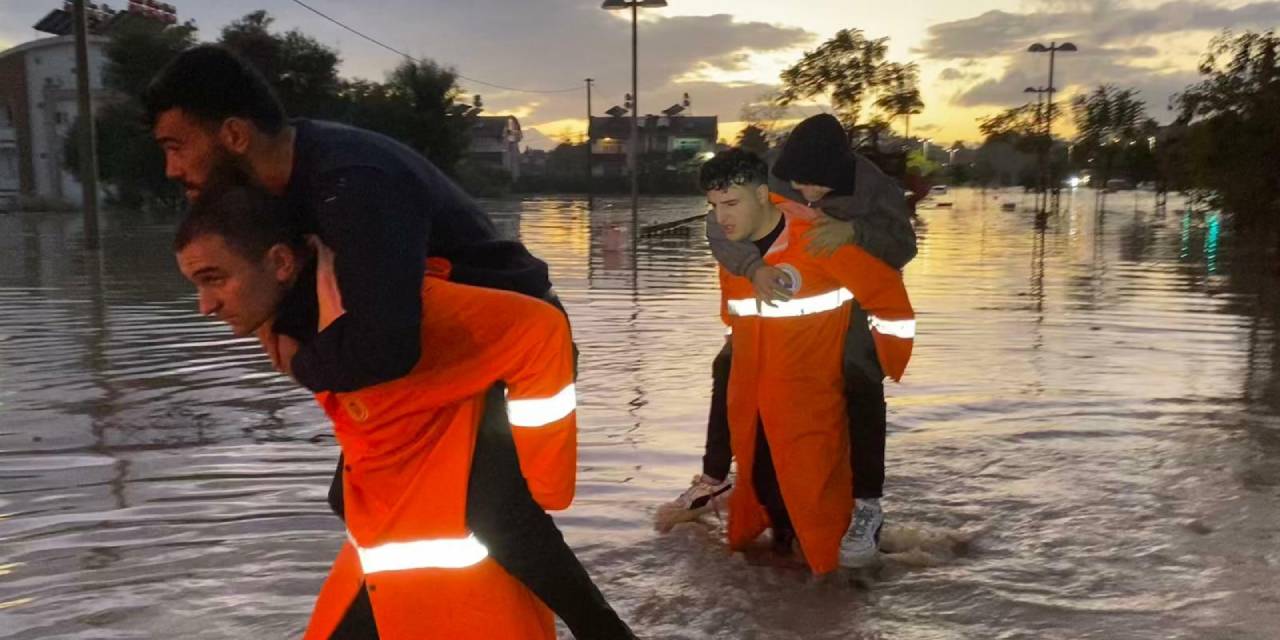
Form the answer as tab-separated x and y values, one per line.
727	53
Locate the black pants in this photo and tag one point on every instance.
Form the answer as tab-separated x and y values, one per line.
519	535
864	402
764	478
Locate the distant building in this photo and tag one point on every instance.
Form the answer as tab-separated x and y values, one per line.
495	141
38	95
668	134
37	108
10	179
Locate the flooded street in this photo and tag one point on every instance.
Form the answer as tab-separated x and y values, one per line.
1086	443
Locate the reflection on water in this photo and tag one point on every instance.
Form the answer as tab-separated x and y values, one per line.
1085	446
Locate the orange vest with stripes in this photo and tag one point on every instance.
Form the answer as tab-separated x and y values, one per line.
408	446
787	373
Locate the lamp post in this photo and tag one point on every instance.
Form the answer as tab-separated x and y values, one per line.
590	196
632	150
1053	50
1043	155
1039	91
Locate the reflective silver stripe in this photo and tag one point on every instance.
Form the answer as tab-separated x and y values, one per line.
795	307
897	328
437	553
746	307
539	412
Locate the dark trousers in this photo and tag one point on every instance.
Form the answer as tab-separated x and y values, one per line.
864	402
764	478
519	535
358	623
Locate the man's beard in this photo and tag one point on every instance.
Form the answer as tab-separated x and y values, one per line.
225	171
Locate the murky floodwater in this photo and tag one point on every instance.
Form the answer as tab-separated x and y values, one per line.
1087	444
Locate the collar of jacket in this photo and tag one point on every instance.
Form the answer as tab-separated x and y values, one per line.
842	207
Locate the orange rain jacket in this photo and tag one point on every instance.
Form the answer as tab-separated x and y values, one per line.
787	373
408	445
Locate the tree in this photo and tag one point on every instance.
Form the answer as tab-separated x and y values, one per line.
567	159
1230	120
303	71
427	119
922	165
139	49
375	106
415	106
960	174
130	164
1013	139
849	66
1021	131
1113	133
1021	126
902	98
753	139
867	135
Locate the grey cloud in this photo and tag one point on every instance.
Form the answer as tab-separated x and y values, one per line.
1109	35
1007	91
738	61
1186	15
556	43
542	44
1088	23
952	74
990	34
1139	51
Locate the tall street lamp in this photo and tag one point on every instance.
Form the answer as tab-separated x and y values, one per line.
1039	91
1044	170
633	152
1053	49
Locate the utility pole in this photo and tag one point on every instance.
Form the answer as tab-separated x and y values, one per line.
1049	181
590	196
1042	170
88	132
635	136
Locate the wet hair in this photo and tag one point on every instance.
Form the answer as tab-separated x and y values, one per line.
733	166
213	84
248	219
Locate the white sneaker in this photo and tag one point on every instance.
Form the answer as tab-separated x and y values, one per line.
704	494
861	546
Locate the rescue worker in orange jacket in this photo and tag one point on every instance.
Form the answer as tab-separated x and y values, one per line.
788	427
410	563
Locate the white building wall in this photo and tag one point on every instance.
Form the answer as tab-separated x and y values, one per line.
51	90
9	176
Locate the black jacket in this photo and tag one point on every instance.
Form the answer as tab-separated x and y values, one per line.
383	208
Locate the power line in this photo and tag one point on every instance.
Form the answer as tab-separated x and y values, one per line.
401	53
